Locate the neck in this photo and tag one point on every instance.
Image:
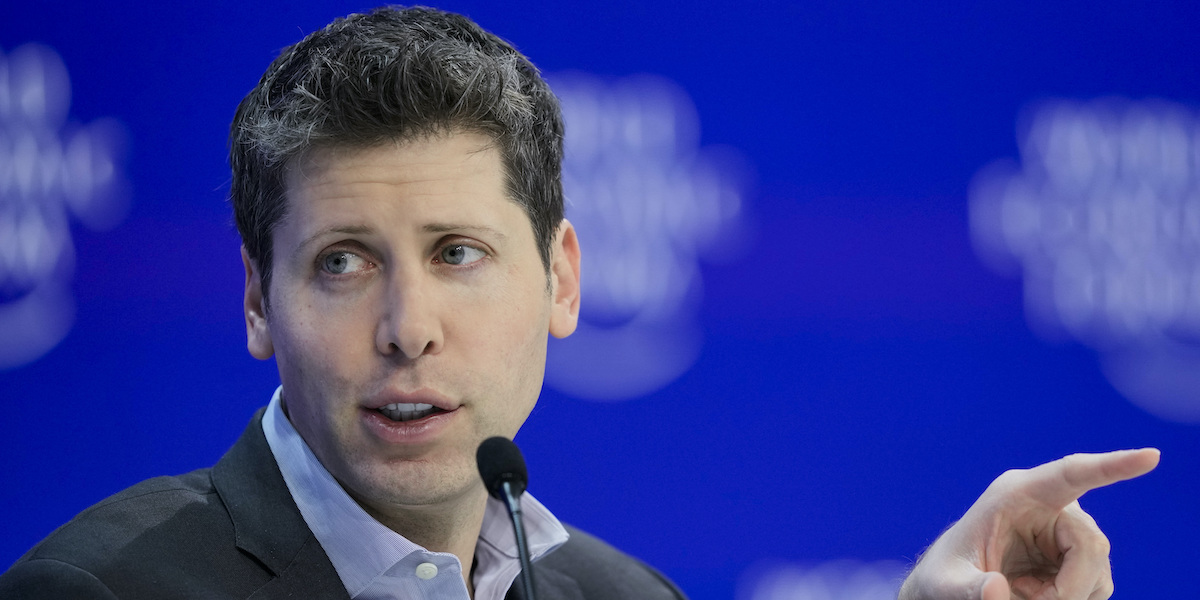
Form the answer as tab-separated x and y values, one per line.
453	528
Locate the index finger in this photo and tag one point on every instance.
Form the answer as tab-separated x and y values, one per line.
1063	481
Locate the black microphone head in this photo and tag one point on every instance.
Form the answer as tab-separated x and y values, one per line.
500	460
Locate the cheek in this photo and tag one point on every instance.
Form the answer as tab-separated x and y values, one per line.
316	366
524	353
312	338
518	321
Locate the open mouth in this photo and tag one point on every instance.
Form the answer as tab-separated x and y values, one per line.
408	412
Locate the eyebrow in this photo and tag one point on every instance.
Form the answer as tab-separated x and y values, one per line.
343	229
431	228
453	227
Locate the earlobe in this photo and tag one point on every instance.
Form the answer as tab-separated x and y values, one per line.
258	334
564	278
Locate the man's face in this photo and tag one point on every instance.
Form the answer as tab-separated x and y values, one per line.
409	314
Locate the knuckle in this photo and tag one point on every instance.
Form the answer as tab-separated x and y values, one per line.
1094	540
1010	476
1071	461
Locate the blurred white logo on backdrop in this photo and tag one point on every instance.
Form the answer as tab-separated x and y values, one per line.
1102	219
52	171
648	201
846	579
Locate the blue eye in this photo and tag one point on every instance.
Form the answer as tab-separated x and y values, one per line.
341	262
458	254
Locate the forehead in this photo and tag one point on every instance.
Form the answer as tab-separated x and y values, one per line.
410	158
451	172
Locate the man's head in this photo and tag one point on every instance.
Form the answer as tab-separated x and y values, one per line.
387	76
387	171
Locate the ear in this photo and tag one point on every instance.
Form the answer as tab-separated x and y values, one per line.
258	334
564	280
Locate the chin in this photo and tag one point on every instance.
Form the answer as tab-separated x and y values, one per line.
418	484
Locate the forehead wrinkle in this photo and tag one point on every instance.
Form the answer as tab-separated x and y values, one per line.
356	180
319	158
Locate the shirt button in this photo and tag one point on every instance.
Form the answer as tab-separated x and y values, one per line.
426	570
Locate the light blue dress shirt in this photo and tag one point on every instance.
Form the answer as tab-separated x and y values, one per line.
376	563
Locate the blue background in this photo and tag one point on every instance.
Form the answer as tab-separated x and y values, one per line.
863	376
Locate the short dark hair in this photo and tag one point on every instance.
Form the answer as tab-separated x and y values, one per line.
394	74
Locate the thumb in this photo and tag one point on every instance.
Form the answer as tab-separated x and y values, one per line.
953	580
993	586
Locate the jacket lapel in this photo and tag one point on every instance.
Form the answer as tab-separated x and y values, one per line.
267	523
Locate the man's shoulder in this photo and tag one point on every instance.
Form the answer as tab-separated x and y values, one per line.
601	571
167	490
165	530
154	509
223	532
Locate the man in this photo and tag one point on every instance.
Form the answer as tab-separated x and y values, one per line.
397	188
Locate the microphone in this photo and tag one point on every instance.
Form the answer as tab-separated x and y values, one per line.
500	462
503	471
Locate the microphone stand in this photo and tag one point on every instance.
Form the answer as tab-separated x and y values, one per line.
512	501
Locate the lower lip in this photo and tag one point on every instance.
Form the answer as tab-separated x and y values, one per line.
417	431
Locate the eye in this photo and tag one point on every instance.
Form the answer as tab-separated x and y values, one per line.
459	254
341	262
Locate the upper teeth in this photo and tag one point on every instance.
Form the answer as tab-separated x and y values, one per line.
406	412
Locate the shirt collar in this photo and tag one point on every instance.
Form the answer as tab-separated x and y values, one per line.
362	549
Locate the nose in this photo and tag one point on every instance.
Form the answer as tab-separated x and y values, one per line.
409	324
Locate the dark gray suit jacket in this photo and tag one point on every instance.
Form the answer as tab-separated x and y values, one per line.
233	531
